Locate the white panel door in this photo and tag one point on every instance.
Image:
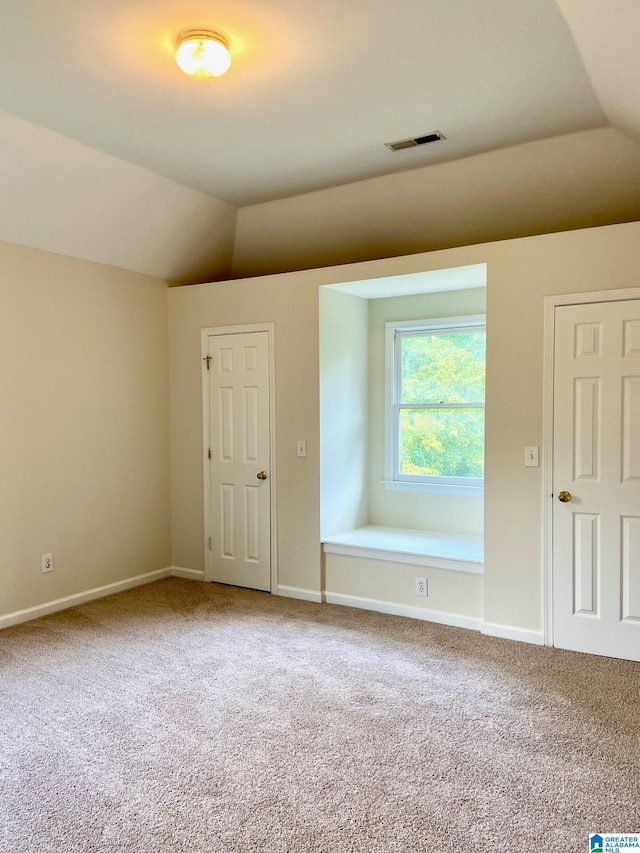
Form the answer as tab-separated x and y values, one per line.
239	460
596	462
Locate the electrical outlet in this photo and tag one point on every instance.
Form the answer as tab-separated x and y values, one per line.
421	586
47	562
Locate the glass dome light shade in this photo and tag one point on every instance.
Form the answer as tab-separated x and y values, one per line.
203	54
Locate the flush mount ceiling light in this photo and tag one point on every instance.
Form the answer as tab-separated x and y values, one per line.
203	54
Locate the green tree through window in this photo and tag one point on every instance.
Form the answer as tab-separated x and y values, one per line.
439	402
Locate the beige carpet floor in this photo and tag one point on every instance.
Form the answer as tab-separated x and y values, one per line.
189	717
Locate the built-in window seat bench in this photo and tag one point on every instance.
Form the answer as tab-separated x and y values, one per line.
423	574
358	574
451	552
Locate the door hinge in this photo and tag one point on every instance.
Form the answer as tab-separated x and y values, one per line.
210	543
209	453
207	358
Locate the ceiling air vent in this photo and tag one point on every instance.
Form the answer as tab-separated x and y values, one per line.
415	140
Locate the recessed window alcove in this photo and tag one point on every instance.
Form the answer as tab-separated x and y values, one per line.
378	541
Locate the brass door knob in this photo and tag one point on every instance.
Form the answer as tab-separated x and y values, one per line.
262	475
564	497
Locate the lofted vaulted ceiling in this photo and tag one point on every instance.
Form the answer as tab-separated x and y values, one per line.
314	92
317	88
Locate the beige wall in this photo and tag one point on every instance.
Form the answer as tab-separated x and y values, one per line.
84	426
83	376
575	181
420	510
520	273
291	302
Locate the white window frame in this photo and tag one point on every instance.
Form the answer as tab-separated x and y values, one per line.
415	482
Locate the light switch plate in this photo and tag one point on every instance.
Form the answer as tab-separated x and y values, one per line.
302	448
531	457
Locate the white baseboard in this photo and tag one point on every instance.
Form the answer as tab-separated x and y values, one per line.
404	610
508	633
80	598
189	574
492	630
303	594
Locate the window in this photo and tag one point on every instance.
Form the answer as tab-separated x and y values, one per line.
435	405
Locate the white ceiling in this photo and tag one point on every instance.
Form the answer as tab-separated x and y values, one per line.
316	88
607	33
109	153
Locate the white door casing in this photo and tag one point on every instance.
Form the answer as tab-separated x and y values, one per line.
238	454
595	543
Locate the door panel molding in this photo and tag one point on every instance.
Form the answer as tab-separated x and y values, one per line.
587	341
205	334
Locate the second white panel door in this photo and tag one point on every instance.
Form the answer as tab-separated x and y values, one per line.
596	484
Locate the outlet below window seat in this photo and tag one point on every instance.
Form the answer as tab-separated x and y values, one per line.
451	552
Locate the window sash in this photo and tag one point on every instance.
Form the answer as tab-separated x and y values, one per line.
402	477
397	405
427	331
